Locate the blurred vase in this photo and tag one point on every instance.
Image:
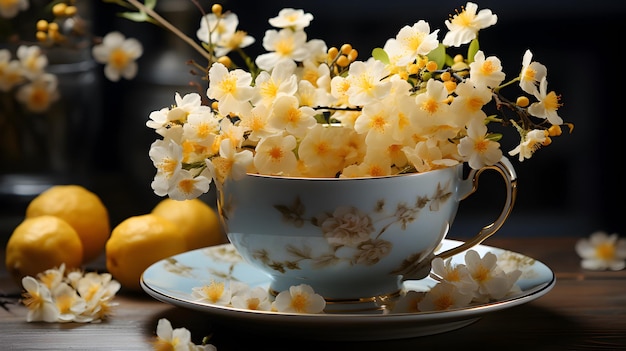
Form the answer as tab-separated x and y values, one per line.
57	145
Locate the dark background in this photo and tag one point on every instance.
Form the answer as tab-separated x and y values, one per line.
571	188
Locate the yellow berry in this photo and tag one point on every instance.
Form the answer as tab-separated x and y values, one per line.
522	101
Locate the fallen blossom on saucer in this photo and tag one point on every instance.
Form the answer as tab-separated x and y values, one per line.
480	279
178	339
60	296
602	251
300	299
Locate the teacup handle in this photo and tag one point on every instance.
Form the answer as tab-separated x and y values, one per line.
506	170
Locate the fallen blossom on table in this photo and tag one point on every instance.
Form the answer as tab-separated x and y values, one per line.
178	339
602	251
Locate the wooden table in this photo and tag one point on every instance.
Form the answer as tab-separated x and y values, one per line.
585	310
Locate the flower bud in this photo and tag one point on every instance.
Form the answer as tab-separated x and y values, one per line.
216	9
332	53
554	131
42	25
58	10
343	61
431	66
226	61
458	58
346	48
522	101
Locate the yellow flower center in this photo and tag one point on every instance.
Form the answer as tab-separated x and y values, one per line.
443	302
213	291
275	153
119	58
551	102
284	47
605	251
300	302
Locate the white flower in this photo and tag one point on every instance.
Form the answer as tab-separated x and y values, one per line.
38	300
532	74
366	82
457	275
486	71
285	44
39	94
178	339
274	155
602	251
255	299
231	88
224	33
493	282
444	296
412	41
119	55
11	71
299	299
215	292
291	18
33	61
476	149
464	26
547	105
530	143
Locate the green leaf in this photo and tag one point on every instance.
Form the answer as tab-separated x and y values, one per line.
439	56
472	50
380	55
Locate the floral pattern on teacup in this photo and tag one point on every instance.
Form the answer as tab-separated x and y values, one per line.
352	235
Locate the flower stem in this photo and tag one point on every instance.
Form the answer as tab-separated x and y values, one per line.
172	29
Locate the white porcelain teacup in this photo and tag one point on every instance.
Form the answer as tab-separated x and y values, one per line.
353	240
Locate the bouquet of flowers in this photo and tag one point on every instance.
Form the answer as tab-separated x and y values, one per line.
304	109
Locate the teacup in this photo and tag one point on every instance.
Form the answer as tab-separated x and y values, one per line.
354	241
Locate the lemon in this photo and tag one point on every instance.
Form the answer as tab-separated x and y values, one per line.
79	207
136	243
197	222
41	243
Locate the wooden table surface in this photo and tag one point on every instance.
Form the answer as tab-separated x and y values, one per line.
585	310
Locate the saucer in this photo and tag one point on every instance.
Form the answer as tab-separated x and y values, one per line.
171	280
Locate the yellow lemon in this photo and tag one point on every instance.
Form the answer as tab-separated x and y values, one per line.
79	207
136	243
197	222
41	243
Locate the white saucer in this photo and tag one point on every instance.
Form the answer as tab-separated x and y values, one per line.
171	280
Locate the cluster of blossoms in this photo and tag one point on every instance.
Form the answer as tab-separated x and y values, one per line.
602	251
298	299
60	296
303	109
479	280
